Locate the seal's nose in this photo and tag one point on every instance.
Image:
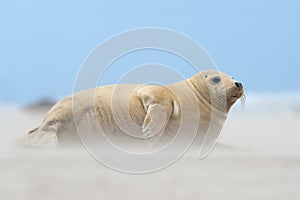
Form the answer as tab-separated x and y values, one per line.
239	85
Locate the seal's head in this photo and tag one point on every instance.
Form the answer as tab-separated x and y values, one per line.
218	89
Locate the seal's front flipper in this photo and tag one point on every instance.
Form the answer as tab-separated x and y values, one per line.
156	120
39	138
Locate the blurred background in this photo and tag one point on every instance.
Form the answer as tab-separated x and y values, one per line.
44	43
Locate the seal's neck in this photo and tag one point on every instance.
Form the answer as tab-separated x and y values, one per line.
199	88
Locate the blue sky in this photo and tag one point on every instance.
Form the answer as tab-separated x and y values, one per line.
43	43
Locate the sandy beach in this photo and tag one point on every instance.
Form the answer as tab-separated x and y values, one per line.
258	157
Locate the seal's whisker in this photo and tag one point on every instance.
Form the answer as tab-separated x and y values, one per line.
220	101
243	101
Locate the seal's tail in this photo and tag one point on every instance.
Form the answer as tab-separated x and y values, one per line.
39	138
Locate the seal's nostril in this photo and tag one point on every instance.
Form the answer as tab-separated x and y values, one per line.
238	84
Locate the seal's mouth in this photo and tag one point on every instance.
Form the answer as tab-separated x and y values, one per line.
237	94
238	90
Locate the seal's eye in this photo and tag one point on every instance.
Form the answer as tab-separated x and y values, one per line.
216	79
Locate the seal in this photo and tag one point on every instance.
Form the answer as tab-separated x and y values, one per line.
142	111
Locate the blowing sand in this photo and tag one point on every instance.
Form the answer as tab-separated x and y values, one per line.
258	158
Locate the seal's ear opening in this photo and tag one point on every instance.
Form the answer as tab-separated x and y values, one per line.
203	75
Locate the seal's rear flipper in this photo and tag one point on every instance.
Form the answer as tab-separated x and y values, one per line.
39	138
